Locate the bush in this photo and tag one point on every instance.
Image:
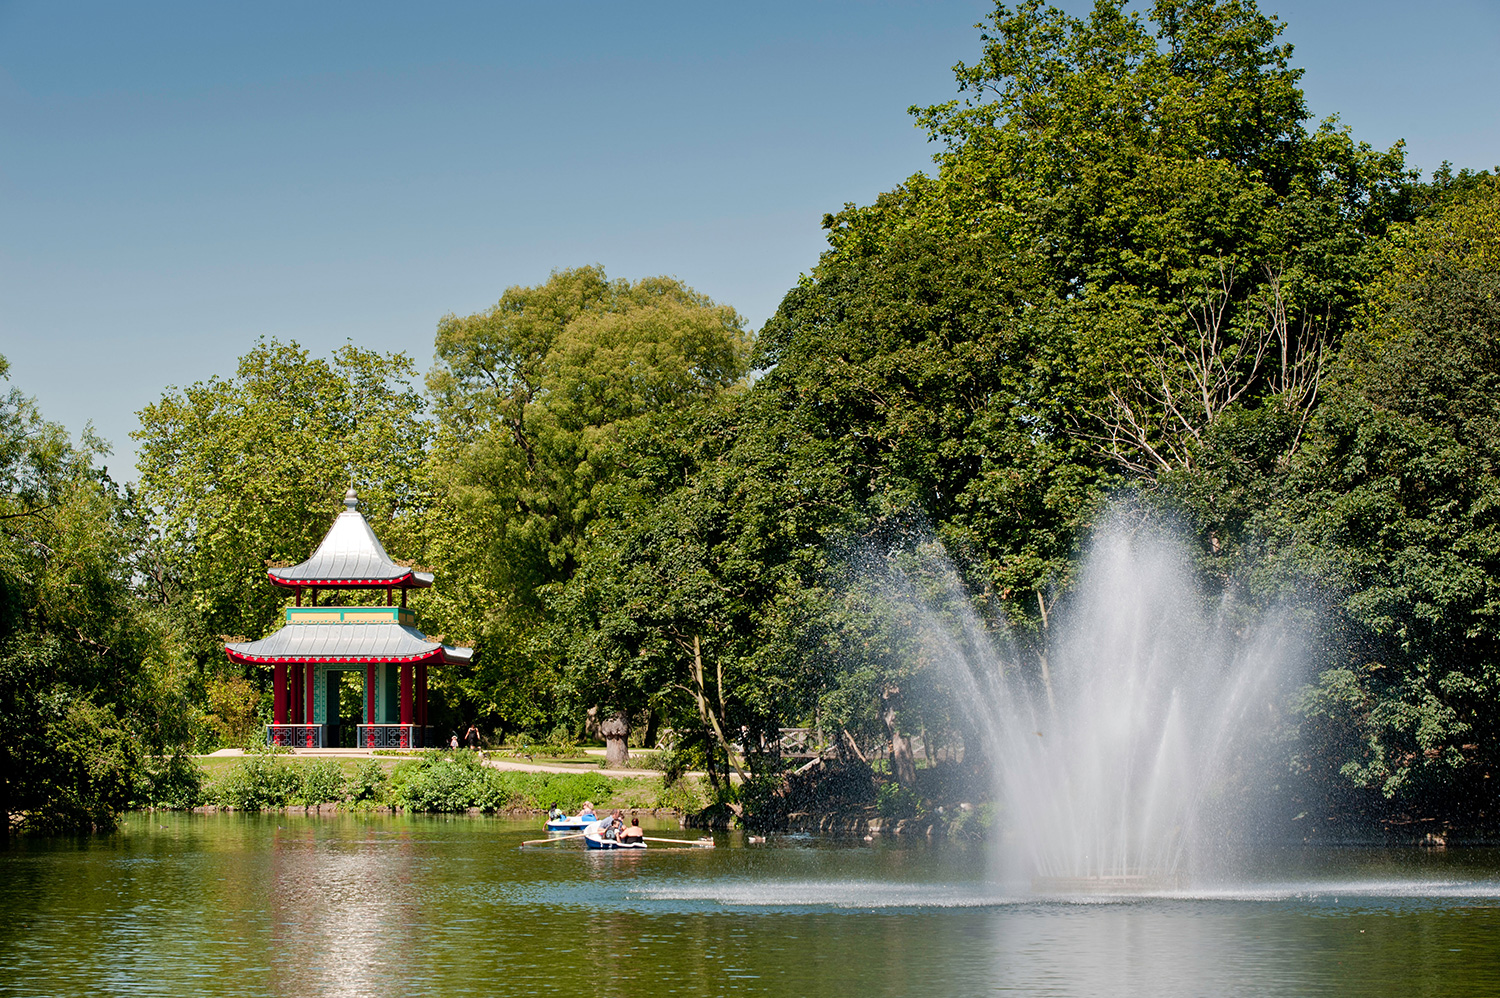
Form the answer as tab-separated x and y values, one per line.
370	783
974	823
566	790
686	795
176	784
321	782
896	802
449	783
455	782
676	758
257	783
260	782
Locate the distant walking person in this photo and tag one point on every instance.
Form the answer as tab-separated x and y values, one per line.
453	741
471	737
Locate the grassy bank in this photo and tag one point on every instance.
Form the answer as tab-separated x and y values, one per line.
440	782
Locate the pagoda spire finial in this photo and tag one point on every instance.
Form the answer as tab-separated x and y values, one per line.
351	501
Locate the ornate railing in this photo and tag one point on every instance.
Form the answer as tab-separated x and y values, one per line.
295	735
387	736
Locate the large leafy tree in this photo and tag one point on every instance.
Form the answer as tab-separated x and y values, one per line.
244	471
700	596
1392	508
87	692
1133	243
534	397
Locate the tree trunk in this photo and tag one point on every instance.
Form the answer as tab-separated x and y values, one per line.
903	767
706	710
614	730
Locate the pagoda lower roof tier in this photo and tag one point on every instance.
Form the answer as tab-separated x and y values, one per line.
346	643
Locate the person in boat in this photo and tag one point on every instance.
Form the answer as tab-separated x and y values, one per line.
587	811
555	812
634	833
615	827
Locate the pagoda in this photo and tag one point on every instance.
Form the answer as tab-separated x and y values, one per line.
317	643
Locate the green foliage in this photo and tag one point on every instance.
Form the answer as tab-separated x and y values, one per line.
244	471
974	823
1391	508
533	397
895	801
685	794
259	782
267	781
175	783
321	781
1137	269
88	688
370	783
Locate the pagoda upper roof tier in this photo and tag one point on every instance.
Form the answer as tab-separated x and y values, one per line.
347	643
350	556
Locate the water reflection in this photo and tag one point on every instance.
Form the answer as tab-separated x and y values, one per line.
291	905
343	910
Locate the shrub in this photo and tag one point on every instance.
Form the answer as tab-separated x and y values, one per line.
321	782
257	783
566	790
686	795
176	783
974	823
448	783
370	782
895	801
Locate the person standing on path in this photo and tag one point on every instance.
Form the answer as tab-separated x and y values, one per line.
471	737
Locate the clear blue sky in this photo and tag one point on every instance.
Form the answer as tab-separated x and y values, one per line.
179	179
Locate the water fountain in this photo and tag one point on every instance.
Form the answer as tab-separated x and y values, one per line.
1125	755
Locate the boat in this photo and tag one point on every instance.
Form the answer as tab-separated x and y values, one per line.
572	823
593	837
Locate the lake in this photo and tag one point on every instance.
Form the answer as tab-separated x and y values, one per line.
286	904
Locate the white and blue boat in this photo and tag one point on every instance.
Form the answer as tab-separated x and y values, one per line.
593	837
572	823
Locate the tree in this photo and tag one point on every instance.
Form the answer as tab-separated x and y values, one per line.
1391	508
247	471
533	398
697	598
87	693
1132	251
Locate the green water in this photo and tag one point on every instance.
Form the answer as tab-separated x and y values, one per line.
381	905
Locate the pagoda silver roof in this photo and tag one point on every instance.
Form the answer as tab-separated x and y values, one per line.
346	643
350	555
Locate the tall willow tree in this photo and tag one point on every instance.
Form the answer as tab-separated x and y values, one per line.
533	398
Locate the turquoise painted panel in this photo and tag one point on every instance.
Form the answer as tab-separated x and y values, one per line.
349	615
392	688
320	694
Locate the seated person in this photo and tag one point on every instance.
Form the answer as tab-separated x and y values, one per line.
587	811
616	825
634	833
554	813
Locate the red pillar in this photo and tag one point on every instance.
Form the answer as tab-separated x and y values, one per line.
370	694
312	675
278	683
422	695
405	692
294	692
